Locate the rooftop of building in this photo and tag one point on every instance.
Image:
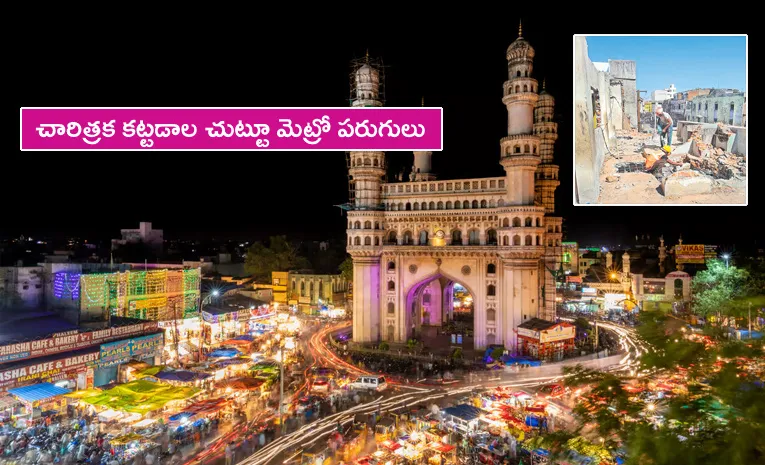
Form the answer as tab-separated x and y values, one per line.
537	324
233	303
33	325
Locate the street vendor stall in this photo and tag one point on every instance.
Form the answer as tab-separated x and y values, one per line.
40	397
139	396
462	418
438	453
126	447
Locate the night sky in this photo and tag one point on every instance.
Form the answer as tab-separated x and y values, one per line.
250	195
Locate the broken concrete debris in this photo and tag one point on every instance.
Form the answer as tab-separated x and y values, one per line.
686	182
612	178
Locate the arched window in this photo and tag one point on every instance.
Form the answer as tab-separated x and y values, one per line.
525	88
506	223
557	229
529	241
367	225
491	290
539	241
391	266
377	225
505	240
492	203
483	204
526	148
391	286
374	162
465	204
432	206
517	149
539	223
517	88
528	222
457	205
400	206
448	204
391	308
367	162
408	206
549	228
424	205
491	237
377	241
407	239
516	240
474	237
518	73
491	339
302	288
440	206
457	237
501	202
391	332
423	237
532	88
367	240
491	268
416	206
357	240
491	315
350	241
357	225
678	288
534	149
392	237
516	222
475	204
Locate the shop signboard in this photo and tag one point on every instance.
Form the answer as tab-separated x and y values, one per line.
119	352
573	279
589	291
183	323
528	333
52	370
690	253
558	333
71	340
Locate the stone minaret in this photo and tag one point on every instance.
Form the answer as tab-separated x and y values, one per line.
422	163
662	254
522	233
365	216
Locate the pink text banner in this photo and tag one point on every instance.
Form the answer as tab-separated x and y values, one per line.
345	129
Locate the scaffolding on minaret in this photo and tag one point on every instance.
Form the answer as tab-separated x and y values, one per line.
375	63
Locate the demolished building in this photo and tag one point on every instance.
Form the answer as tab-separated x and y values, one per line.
605	101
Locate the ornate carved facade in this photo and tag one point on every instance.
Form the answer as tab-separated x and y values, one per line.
411	242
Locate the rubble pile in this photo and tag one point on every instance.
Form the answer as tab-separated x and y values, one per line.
711	153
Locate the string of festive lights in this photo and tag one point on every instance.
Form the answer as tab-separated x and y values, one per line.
66	285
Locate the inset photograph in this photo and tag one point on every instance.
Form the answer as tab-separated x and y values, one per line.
660	120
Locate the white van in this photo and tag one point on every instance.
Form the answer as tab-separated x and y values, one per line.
369	383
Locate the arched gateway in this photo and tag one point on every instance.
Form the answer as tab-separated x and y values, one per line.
495	237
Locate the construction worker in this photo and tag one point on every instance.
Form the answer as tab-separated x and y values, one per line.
664	126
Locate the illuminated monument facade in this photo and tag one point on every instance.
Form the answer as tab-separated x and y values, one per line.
412	242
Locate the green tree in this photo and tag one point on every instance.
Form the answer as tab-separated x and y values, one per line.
718	291
279	255
346	269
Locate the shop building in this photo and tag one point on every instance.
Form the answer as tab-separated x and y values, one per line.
546	340
235	316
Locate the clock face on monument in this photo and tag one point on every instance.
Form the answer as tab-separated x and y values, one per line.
440	234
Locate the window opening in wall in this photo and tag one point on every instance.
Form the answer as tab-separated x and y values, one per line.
731	114
715	113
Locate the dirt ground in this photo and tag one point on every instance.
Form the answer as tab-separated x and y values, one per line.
641	188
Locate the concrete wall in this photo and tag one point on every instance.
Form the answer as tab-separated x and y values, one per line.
617	115
739	146
590	142
626	72
685	128
702	109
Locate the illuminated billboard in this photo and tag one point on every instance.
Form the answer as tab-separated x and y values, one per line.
690	253
614	300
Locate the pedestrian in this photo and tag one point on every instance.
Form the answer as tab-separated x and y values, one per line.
245	446
229	454
262	439
664	126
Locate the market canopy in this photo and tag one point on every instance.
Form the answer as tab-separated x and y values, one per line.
244	384
139	396
126	439
181	375
199	408
38	392
152	371
244	337
231	361
233	342
222	353
464	412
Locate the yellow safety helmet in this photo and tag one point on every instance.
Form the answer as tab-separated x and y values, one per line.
667	149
